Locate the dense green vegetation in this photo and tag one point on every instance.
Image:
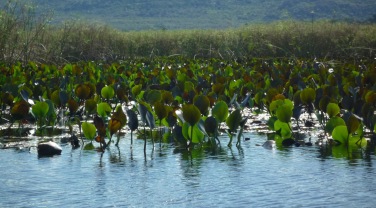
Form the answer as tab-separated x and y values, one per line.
189	102
187	86
180	14
26	36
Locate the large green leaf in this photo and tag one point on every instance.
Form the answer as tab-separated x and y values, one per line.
332	109
340	134
197	136
191	114
89	130
108	92
334	122
233	121
82	91
103	109
211	126
136	90
284	113
282	129
153	96
220	111
307	95
161	110
202	102
352	124
40	109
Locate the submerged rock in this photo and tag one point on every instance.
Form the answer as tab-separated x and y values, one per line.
270	144
48	149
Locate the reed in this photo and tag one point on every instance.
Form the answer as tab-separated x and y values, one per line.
26	36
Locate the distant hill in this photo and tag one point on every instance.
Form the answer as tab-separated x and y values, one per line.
188	14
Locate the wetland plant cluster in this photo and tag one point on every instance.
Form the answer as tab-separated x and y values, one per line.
190	102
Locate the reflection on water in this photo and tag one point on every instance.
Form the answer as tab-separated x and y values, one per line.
169	177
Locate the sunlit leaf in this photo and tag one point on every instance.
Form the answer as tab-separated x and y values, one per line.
340	134
282	129
89	130
103	109
108	92
220	111
334	122
284	113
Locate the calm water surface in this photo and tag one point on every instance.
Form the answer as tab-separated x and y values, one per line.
247	177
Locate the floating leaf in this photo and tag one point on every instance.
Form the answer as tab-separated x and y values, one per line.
89	130
332	109
108	92
220	111
89	146
191	114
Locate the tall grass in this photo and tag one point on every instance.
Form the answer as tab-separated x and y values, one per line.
26	36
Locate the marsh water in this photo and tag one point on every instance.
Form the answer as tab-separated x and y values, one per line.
252	176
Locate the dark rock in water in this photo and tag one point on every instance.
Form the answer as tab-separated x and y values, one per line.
269	144
247	139
48	149
288	142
